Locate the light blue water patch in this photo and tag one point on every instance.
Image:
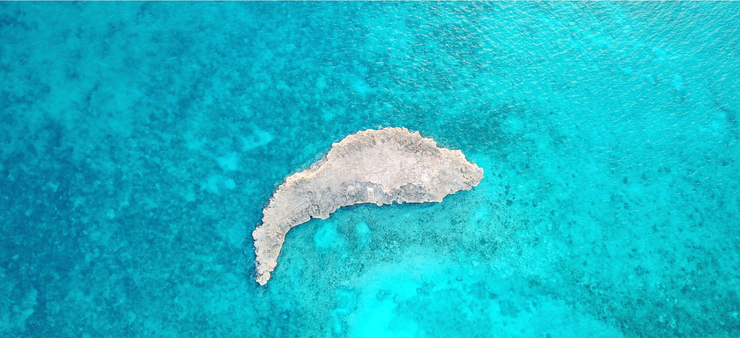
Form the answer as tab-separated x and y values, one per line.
427	295
139	143
257	138
363	233
327	237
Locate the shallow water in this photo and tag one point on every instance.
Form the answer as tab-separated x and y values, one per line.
140	141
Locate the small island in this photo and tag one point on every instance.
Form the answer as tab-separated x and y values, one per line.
371	166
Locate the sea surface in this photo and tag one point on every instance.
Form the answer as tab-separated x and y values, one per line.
139	143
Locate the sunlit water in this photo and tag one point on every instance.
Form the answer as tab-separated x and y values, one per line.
140	141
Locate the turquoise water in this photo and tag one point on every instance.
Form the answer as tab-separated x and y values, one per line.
140	141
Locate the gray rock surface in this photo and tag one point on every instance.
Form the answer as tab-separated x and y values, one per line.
372	166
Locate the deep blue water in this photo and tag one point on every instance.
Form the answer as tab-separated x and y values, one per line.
139	143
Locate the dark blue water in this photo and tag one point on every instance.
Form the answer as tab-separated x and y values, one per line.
139	143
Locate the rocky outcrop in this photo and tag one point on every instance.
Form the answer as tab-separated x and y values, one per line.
372	166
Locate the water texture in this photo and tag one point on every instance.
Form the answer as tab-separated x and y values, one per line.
140	141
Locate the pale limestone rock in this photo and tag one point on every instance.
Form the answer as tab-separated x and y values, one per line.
372	166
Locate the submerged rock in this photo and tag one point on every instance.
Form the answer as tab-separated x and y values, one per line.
372	166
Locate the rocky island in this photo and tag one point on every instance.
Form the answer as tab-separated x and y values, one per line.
371	166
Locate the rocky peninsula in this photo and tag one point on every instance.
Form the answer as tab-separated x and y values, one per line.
371	166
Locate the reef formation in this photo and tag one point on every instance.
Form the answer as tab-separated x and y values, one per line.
371	166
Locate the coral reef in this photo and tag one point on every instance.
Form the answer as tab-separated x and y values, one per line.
372	166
